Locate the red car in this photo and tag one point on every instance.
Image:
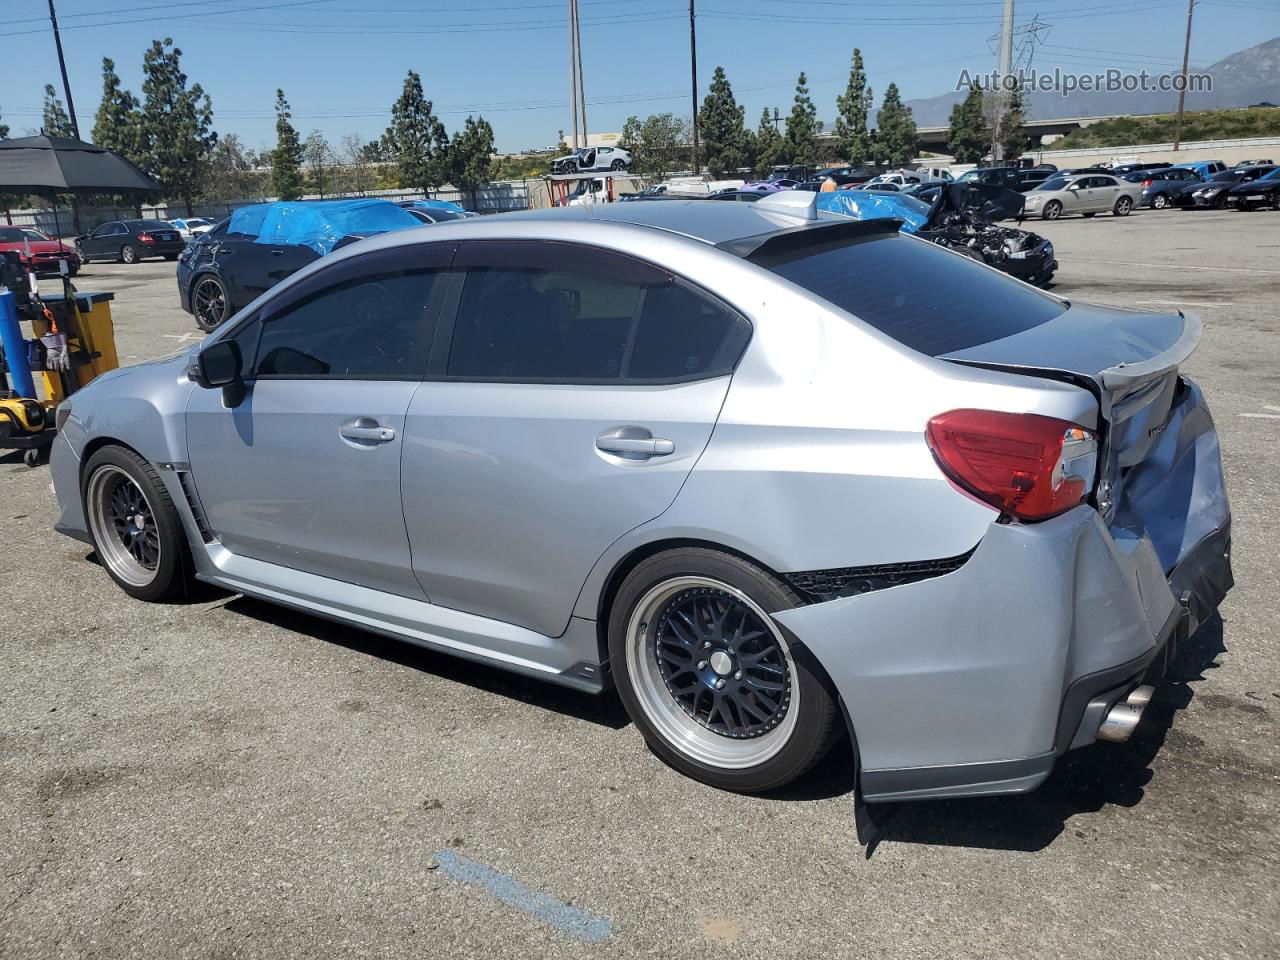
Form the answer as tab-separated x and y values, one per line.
39	253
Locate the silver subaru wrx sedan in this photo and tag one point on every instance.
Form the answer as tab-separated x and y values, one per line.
777	476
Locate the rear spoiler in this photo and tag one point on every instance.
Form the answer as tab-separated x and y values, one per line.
1124	375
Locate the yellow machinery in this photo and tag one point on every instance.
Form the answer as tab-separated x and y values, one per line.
28	423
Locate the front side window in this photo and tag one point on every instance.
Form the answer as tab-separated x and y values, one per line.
376	327
598	318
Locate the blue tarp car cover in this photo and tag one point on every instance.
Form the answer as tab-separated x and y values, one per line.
438	205
318	224
876	205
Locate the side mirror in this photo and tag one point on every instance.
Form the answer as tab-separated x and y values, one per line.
218	365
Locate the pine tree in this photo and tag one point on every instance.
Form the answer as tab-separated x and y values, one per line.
286	158
852	132
118	125
895	130
56	122
769	144
802	127
720	126
471	157
417	139
177	125
969	136
1012	138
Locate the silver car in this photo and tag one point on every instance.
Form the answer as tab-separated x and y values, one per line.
735	460
1087	194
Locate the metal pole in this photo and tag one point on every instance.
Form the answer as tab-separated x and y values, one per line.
62	65
573	74
1005	68
582	77
693	72
1182	93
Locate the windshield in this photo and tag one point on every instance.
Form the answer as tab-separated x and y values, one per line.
1273	175
19	234
154	225
1053	183
879	281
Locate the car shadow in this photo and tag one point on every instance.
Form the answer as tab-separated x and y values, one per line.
1084	781
604	709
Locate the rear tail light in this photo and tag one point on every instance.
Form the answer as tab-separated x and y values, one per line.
1146	183
1028	466
146	238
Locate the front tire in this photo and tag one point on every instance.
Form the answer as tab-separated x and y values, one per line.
128	254
136	530
716	687
1123	207
210	304
1052	210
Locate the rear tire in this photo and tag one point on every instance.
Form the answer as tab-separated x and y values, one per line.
716	687
135	526
128	254
1159	201
1123	207
617	165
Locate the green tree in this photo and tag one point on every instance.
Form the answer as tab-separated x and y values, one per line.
769	145
4	131
655	143
118	123
56	123
319	159
7	201
471	157
895	130
969	137
1012	138
286	158
231	172
721	128
417	140
852	107
802	127
177	125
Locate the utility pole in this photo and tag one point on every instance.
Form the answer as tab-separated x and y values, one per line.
776	119
572	69
1182	92
693	70
1006	68
62	65
582	77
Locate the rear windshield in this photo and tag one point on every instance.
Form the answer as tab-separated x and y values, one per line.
926	298
154	225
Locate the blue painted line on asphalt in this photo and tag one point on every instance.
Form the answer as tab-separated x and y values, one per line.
555	913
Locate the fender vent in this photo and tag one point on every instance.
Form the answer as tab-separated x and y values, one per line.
818	586
193	502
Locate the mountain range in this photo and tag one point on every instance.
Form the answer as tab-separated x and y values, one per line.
1242	79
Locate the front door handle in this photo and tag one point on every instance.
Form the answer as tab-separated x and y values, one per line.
636	446
366	430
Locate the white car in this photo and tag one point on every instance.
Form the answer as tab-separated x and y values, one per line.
192	226
585	159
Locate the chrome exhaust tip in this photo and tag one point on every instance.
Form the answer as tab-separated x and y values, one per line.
1122	719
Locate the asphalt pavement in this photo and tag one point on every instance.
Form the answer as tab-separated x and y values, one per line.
229	779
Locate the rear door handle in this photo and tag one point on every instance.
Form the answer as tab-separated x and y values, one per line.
636	446
366	430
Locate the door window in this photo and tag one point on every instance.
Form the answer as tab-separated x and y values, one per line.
104	231
606	318
376	328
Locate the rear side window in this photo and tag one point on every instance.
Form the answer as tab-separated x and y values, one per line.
926	298
536	313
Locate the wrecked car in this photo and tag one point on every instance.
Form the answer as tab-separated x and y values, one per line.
962	217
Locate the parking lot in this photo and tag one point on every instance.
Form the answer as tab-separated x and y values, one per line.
231	779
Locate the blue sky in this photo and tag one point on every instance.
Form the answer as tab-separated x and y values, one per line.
342	62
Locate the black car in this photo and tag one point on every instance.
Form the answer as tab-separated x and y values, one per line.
1030	179
1215	193
738	196
1124	168
964	217
128	241
996	176
1263	191
220	272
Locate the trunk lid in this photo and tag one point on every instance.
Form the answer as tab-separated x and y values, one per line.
1129	360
